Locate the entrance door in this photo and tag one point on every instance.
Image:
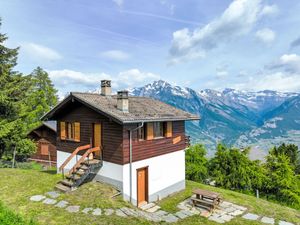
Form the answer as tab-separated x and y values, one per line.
97	138
142	185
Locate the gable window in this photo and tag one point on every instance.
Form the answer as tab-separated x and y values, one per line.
70	131
158	129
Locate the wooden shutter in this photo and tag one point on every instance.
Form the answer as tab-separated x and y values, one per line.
44	149
63	130
150	134
169	130
77	131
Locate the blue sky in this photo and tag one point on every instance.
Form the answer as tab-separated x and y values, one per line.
242	44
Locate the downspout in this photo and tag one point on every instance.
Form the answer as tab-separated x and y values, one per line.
130	158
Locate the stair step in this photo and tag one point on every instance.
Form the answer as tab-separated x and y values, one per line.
67	183
62	187
83	167
91	162
73	176
80	172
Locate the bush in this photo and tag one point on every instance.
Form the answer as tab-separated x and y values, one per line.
8	217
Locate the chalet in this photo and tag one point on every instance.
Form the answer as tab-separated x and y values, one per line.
45	138
134	143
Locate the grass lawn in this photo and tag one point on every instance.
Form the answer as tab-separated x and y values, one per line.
17	186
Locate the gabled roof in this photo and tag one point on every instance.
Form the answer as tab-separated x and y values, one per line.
141	109
50	124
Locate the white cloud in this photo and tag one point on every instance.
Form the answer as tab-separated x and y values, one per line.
265	35
116	55
119	2
40	52
69	80
288	62
237	20
269	10
278	81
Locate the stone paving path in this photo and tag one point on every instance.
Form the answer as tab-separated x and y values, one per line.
225	212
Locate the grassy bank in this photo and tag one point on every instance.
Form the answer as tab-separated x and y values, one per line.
17	186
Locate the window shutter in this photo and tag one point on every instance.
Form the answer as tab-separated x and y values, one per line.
62	130
77	131
150	131
169	129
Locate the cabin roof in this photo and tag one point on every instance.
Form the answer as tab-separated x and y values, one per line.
141	109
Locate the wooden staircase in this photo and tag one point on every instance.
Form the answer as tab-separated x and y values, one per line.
84	169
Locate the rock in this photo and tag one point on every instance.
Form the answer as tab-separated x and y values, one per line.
187	212
129	212
181	215
108	212
242	208
97	212
153	209
229	209
37	198
281	222
216	219
170	218
62	204
49	201
73	208
87	210
268	220
120	213
53	194
250	216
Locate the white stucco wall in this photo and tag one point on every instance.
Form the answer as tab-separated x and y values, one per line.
163	172
62	156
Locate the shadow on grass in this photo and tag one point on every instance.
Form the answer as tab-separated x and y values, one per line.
49	171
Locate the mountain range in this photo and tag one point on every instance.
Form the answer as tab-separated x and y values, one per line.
233	117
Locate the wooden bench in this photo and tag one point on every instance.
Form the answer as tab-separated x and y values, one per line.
206	199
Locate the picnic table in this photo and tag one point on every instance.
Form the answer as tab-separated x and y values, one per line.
206	199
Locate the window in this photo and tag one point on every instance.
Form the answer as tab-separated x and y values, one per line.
70	131
44	149
141	133
158	129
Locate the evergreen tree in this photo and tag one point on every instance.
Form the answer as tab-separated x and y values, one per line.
41	97
196	163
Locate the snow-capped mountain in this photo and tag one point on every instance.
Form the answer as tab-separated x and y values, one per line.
230	116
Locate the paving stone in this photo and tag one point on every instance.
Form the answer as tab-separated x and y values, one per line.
226	218
170	218
97	212
37	198
281	222
87	210
108	212
236	213
219	212
120	213
250	216
187	212
181	215
129	212
229	209
216	219
241	208
225	204
205	213
147	206
73	208
153	209
62	204
194	211
49	201
268	220
53	194
161	213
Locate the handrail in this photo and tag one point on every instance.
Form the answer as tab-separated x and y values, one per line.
91	150
80	148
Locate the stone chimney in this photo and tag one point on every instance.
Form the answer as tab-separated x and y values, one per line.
105	87
122	101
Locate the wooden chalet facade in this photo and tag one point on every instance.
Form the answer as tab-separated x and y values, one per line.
139	141
45	138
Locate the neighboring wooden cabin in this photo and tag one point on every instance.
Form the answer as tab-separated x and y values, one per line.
45	138
142	141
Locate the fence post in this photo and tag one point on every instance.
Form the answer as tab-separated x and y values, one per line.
14	158
257	193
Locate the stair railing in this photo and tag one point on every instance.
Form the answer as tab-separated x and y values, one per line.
83	157
78	149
